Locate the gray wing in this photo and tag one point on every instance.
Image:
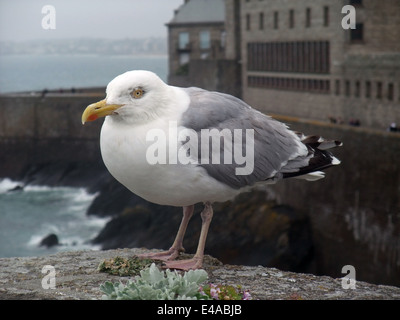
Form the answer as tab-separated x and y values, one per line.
276	149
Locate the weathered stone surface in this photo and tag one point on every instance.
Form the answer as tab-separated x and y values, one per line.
77	277
250	229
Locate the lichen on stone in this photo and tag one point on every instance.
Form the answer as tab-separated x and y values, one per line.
124	267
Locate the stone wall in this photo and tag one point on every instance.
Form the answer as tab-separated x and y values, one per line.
214	75
77	278
36	130
354	211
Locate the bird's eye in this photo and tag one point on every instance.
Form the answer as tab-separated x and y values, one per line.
137	93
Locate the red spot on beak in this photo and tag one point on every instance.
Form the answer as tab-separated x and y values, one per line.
93	117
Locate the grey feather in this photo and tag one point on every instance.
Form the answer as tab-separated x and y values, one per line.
275	146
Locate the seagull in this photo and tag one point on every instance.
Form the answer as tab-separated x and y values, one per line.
182	146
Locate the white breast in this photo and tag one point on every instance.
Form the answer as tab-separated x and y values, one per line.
124	149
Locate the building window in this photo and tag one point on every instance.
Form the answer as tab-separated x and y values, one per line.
337	87
357	34
326	16
291	18
347	88
205	39
184	58
368	89
276	20
357	89
379	90
356	2
308	17
248	22
299	56
223	39
183	40
290	84
261	21
390	92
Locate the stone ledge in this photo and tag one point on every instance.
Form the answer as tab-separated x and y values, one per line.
77	278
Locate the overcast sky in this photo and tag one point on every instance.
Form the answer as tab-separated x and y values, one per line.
22	19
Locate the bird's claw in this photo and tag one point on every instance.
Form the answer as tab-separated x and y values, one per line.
171	254
189	264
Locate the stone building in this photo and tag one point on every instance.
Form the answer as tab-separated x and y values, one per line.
294	57
197	41
298	60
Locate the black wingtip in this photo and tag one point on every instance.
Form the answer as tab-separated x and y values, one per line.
320	158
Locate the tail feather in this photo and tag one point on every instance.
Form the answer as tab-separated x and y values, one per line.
317	142
318	158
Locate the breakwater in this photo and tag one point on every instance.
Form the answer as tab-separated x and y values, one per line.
354	212
45	129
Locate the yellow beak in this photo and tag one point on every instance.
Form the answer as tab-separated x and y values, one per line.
98	110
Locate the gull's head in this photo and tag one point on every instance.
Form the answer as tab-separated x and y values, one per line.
131	96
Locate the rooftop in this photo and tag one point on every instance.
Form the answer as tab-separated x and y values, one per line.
200	11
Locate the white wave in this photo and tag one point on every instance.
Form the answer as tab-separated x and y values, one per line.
66	243
98	221
80	199
80	194
35	188
7	184
35	240
46	229
83	196
44	210
72	235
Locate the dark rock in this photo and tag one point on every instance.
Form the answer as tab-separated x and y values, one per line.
49	241
90	174
16	188
113	198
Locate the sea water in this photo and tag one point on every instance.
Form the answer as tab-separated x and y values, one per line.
30	214
33	72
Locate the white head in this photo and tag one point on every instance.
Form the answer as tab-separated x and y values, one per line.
134	96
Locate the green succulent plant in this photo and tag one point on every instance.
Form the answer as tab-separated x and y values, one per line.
153	284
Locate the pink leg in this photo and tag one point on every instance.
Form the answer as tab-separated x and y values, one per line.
197	261
177	246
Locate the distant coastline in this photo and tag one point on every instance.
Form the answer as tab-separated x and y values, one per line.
130	46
